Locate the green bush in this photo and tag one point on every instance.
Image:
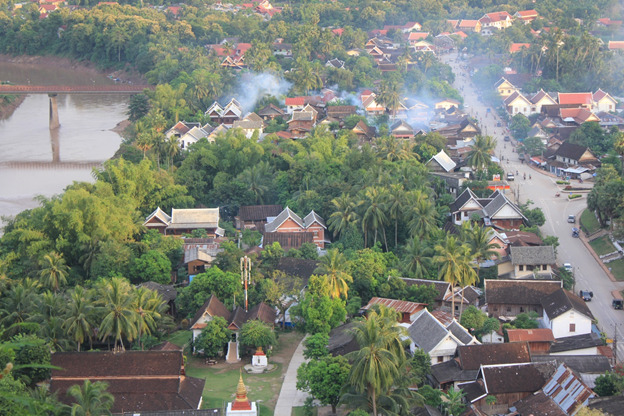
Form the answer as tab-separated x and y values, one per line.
563	183
574	196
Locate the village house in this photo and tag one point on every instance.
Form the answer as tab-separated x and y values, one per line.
301	123
576	99
616	45
364	131
289	222
540	99
340	112
603	101
250	124
507	299
443	300
588	367
531	262
564	394
183	221
446	104
467	25
401	130
200	253
496	211
498	20
236	319
371	107
140	381
526	16
441	162
539	339
566	314
470	358
181	128
504	88
255	217
508	383
225	115
440	342
516	103
572	160
407	310
271	112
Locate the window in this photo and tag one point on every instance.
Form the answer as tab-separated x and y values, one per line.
572	327
495	308
521	309
521	268
458	216
508	308
440	359
544	266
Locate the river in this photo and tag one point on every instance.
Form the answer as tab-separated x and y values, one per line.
37	161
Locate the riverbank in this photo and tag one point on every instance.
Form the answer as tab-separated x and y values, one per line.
7	107
56	62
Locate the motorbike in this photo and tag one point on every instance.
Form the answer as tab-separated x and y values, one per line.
557	195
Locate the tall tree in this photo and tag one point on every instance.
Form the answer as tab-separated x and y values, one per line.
91	399
120	320
374	217
335	266
479	156
344	214
79	314
147	306
54	271
452	257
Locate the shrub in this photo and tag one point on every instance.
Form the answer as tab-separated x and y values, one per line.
574	196
563	183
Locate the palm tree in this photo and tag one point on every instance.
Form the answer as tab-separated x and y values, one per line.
257	177
171	148
119	317
480	154
78	321
335	266
147	306
374	216
344	214
424	218
19	302
376	364
395	202
417	258
91	399
54	271
390	95
451	256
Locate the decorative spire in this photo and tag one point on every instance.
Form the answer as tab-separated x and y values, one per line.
241	402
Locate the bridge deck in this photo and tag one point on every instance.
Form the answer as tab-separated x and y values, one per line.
72	89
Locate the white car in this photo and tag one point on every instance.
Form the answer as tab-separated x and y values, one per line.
568	266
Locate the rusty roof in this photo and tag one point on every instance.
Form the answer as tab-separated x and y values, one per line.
530	335
401	306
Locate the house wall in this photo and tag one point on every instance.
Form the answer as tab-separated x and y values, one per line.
505	268
505	89
560	325
289	226
580	351
211	232
492	338
523	270
195	267
501	309
605	104
444	351
319	234
507	224
541	348
519	106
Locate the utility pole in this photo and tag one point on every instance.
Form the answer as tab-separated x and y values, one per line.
245	266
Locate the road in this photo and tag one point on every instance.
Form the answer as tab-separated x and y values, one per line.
541	189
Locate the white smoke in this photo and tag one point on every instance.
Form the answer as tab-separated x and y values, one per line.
254	86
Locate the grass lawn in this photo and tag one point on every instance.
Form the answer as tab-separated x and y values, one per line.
589	221
180	338
299	411
222	379
602	245
617	268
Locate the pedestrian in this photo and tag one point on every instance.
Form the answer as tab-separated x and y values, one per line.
524	176
529	176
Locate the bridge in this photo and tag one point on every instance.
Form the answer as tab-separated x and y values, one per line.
54	90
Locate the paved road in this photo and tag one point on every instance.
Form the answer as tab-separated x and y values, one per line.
289	396
541	189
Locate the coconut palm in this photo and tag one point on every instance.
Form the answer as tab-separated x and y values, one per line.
119	316
335	266
374	217
479	156
54	271
344	215
452	257
424	218
78	322
395	202
257	178
417	258
91	399
377	363
147	306
390	95
18	304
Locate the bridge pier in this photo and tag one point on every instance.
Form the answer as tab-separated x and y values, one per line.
54	117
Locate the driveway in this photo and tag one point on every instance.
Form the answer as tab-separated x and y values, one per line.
541	189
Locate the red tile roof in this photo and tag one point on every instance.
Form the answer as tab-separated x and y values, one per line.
616	44
527	14
418	35
338	32
530	335
517	47
575	98
294	101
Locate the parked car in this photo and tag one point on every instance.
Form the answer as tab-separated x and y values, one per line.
586	295
568	267
499	124
572	219
507	139
510	176
575	232
617	304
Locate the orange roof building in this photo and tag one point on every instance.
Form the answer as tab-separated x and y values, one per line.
517	47
581	99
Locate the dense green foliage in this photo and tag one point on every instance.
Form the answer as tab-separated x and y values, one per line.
213	338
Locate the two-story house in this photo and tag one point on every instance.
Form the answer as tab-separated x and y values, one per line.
504	88
540	99
572	159
183	221
496	210
531	261
516	103
498	20
603	101
289	222
509	298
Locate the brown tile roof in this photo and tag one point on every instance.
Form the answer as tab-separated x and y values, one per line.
562	301
214	307
262	312
401	306
167	292
516	378
258	212
530	335
471	357
139	380
519	292
288	240
538	404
